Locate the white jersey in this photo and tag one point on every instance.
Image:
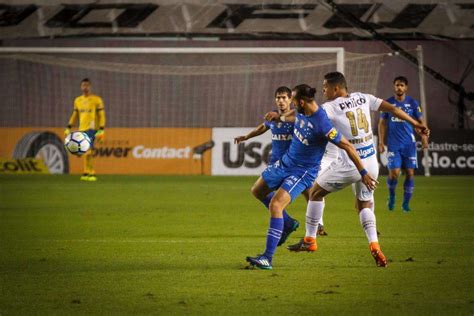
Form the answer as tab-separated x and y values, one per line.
351	117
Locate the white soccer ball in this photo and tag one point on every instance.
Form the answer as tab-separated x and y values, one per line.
77	143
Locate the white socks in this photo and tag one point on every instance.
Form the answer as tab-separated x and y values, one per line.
314	215
367	220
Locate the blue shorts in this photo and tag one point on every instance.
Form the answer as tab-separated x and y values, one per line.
292	180
91	134
403	156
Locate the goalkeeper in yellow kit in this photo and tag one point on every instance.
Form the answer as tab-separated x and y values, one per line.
89	108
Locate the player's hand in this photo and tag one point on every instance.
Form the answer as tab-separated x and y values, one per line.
369	182
239	139
100	135
381	148
422	130
67	131
271	116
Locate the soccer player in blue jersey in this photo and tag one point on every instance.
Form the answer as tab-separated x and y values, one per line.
296	171
281	138
401	149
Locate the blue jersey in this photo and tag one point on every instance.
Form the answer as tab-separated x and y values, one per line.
310	137
281	138
400	132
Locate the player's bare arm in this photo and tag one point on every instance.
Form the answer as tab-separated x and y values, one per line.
289	116
370	182
382	131
259	130
387	107
424	138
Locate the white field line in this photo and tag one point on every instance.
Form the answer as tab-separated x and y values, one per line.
160	241
212	241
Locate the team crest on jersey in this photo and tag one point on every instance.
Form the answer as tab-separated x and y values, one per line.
301	124
279	124
332	134
310	125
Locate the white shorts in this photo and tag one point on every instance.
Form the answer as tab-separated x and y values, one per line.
325	163
340	174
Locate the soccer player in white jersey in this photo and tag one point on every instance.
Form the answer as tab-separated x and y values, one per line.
350	114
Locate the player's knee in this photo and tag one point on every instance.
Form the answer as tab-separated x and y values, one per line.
276	207
393	174
363	204
317	194
254	191
257	192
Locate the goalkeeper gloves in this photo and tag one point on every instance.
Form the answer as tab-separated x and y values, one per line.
67	131
100	134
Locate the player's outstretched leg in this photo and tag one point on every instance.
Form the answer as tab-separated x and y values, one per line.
392	186
368	222
408	187
321	230
378	255
314	213
307	244
264	261
279	202
289	223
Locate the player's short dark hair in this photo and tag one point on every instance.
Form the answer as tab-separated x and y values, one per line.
304	92
283	89
336	78
401	79
86	80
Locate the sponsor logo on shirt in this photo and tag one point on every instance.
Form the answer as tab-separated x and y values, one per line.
351	103
282	137
301	137
365	152
396	119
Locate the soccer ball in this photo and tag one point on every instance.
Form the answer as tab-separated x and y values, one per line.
77	143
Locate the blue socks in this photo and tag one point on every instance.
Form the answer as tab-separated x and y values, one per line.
408	186
392	185
287	218
273	236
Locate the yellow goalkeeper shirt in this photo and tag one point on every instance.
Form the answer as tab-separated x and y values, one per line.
90	111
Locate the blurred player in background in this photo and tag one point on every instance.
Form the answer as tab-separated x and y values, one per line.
350	114
89	109
281	139
296	171
401	142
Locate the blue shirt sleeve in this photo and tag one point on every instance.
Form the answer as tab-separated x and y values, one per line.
267	123
328	129
334	136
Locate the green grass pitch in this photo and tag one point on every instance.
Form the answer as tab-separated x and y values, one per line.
177	245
